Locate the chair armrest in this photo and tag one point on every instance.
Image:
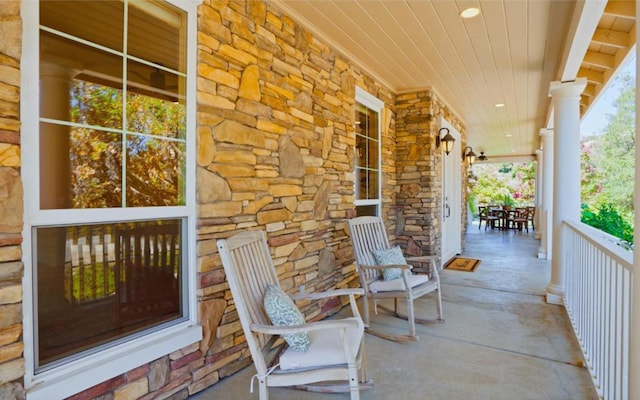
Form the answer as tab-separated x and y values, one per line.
432	265
308	327
422	258
381	267
328	293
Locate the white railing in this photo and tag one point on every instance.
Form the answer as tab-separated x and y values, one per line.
598	299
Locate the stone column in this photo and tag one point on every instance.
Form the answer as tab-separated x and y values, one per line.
538	193
546	201
566	174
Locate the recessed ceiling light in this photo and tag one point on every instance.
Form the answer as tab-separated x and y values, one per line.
498	105
508	135
470	12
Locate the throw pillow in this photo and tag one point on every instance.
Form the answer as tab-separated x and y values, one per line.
392	256
282	311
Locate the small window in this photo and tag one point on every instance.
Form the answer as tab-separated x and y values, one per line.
367	170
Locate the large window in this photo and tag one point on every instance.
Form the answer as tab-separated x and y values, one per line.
367	173
109	212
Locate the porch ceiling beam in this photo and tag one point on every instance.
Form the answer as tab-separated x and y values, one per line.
611	38
599	59
585	21
590	90
622	9
592	76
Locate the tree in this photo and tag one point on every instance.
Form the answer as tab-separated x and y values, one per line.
615	153
151	154
608	169
500	183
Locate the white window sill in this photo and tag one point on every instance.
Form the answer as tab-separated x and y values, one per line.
80	375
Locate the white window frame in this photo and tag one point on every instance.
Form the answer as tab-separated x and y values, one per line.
373	103
78	375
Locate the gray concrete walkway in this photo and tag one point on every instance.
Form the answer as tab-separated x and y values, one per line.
500	341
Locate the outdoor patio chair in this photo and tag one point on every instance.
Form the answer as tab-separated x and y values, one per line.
523	217
334	358
483	213
376	270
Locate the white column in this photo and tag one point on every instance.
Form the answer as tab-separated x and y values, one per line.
546	210
566	174
634	338
55	164
538	194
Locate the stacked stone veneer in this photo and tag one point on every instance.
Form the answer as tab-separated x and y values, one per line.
275	151
419	171
11	198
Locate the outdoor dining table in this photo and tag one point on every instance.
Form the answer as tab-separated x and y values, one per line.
499	217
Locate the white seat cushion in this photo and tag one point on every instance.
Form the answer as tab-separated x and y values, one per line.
325	349
398	284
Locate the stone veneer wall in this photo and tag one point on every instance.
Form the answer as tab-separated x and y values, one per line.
275	146
419	169
11	197
275	152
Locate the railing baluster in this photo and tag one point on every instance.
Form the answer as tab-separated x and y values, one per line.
598	298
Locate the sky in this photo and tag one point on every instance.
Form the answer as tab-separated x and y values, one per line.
596	122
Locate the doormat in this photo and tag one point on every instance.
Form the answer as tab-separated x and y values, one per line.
463	264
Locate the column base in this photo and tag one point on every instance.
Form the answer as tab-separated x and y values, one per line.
542	253
555	295
538	235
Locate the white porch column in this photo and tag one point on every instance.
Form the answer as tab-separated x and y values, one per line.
546	209
538	194
634	338
55	164
566	174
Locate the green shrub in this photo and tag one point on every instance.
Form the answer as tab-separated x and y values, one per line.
609	220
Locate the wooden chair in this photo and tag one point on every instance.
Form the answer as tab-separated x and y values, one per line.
483	213
532	214
336	352
494	217
523	216
368	234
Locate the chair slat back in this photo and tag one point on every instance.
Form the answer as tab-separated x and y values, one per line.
249	269
367	234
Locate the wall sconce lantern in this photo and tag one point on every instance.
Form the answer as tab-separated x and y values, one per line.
469	156
447	140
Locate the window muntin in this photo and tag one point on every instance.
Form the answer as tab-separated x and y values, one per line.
367	169
97	151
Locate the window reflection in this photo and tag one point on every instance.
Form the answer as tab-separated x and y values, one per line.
88	137
102	282
367	153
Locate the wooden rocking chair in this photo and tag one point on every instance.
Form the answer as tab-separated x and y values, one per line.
368	234
336	351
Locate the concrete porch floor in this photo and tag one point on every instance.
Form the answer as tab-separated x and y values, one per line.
500	341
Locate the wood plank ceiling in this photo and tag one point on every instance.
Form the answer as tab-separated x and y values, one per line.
610	46
507	55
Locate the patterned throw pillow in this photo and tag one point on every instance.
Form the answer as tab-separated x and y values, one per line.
283	312
392	256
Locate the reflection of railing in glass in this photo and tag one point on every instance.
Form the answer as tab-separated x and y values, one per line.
147	271
102	282
89	263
